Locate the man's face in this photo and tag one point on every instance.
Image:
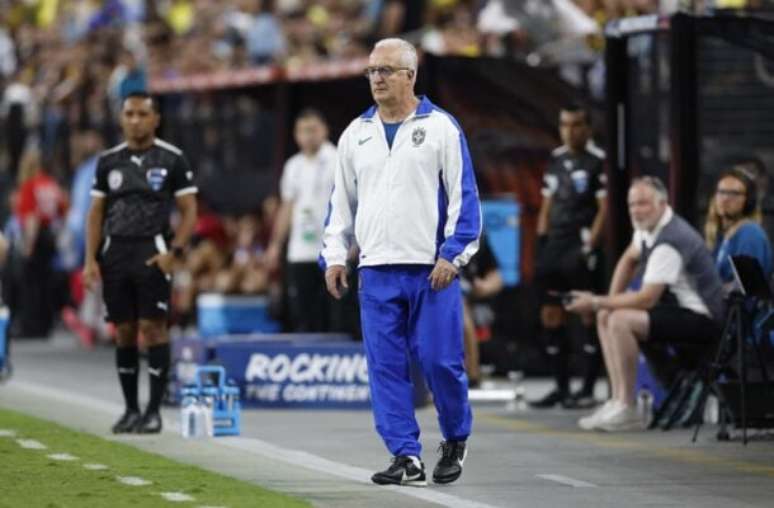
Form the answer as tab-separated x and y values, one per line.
138	119
730	196
574	129
392	83
310	134
645	208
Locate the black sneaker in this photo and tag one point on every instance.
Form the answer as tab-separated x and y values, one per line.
150	424
552	399
127	422
403	470
449	468
580	400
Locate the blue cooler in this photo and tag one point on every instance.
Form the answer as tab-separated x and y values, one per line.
234	314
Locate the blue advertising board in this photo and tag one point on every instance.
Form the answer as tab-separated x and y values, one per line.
297	374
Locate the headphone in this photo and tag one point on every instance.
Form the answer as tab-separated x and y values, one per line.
750	188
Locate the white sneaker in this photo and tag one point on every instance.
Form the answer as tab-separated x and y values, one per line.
589	422
621	418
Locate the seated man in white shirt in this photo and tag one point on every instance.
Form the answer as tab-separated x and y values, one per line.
680	299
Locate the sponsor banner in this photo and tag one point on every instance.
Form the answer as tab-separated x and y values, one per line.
297	375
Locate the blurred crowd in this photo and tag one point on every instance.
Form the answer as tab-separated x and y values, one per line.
64	65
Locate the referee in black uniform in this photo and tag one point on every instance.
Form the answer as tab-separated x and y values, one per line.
570	227
128	247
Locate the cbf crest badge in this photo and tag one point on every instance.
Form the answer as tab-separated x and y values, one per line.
156	177
418	136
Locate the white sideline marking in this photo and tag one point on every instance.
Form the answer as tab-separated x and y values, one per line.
31	444
134	481
7	433
177	497
62	456
356	474
290	456
565	480
95	467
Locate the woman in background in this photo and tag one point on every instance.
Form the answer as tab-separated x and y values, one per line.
733	225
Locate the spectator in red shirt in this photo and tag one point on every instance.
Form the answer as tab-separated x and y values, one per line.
41	200
41	206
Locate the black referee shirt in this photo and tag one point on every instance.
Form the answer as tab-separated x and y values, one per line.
140	188
574	182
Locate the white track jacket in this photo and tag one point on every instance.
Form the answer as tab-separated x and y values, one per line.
405	205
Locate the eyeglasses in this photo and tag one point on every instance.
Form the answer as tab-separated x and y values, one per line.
383	71
730	193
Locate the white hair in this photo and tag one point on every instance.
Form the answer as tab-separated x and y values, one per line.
408	53
659	189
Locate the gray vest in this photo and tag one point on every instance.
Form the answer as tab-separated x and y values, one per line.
697	263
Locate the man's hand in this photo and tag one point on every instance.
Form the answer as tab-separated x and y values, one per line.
163	261
336	281
582	302
442	275
91	275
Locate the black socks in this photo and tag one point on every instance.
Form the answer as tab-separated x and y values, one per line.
558	357
127	366
158	367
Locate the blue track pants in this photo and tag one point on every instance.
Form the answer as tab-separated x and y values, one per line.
403	320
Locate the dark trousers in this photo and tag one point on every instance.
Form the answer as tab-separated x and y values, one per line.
308	302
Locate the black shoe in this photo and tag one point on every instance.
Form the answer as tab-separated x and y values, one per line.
580	400
404	470
127	422
150	424
549	401
449	468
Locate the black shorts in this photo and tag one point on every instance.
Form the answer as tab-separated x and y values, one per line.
561	266
131	289
678	325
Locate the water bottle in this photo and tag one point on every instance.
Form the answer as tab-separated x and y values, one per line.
711	410
645	405
205	415
188	417
186	367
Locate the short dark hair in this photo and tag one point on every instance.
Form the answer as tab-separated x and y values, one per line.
311	113
575	107
142	94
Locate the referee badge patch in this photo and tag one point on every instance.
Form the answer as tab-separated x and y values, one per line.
580	179
115	179
156	177
418	136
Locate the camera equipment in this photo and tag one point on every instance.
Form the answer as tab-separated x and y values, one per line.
745	403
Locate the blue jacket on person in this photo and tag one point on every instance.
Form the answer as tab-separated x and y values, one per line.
749	240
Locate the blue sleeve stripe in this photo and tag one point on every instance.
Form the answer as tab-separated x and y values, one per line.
443	207
320	259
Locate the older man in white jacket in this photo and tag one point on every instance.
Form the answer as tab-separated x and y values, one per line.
405	191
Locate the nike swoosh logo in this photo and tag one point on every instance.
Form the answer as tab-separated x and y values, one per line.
410	478
362	141
154	372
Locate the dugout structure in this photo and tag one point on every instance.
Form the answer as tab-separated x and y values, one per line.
685	95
